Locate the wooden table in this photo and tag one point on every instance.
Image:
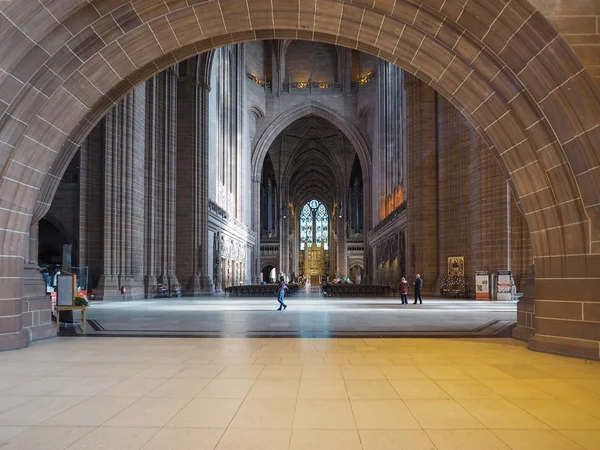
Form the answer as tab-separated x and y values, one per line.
70	308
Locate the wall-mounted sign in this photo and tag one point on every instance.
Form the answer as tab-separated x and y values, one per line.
482	285
504	286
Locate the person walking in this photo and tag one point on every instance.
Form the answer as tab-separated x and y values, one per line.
403	288
418	285
281	294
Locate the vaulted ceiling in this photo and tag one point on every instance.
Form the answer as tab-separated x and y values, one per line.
312	159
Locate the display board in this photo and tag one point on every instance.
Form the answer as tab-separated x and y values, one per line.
504	285
482	285
65	290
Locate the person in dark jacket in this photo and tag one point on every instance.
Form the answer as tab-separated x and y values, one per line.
403	288
418	285
281	294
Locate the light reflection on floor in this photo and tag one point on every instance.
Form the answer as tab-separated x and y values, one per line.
306	315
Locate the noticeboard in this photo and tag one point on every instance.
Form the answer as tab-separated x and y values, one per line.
482	285
504	285
65	290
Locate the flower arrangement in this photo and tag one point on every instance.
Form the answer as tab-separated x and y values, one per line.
80	301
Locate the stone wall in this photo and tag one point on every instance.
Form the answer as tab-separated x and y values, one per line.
459	201
255	51
578	21
422	189
305	59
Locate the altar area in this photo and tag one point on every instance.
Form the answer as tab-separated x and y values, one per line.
314	264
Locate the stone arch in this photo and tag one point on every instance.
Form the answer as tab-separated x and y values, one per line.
502	65
297	112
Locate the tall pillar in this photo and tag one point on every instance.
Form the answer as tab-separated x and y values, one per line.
488	204
422	182
124	198
161	151
256	228
453	142
91	211
342	251
284	244
192	184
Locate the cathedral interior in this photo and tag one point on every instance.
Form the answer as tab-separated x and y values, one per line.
280	158
212	211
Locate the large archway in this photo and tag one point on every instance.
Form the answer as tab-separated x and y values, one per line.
502	65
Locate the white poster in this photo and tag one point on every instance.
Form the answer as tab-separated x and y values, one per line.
504	286
482	285
65	290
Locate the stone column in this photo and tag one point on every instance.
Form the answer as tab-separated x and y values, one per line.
284	246
167	224
342	251
488	203
34	306
124	198
422	182
453	141
91	211
256	228
192	186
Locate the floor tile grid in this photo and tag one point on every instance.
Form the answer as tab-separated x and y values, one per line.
499	433
82	399
430	355
156	430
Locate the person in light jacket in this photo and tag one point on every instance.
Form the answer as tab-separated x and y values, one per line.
281	294
403	288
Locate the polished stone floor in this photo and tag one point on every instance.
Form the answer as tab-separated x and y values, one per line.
295	394
306	316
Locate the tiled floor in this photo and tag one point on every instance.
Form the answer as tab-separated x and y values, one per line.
308	315
296	394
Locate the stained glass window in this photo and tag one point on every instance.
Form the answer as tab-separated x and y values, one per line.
314	225
306	223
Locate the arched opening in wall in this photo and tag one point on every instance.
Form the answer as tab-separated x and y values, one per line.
52	239
497	89
309	159
269	274
357	272
315	174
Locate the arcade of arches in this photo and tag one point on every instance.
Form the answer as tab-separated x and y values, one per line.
180	143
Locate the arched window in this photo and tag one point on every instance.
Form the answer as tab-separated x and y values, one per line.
314	225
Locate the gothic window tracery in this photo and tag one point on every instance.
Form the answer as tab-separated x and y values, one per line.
314	225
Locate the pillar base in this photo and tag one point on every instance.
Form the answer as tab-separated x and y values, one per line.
36	305
15	341
522	333
109	288
150	286
199	286
566	346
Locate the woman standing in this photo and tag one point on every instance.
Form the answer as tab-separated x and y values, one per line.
403	288
281	294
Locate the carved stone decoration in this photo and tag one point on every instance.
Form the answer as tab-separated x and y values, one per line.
218	275
228	279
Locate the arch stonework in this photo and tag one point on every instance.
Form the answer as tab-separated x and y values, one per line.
296	112
501	64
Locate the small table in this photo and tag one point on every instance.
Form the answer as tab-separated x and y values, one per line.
70	308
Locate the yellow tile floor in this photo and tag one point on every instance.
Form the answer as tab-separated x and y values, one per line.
296	394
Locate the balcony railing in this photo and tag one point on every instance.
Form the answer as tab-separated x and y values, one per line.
310	85
390	218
